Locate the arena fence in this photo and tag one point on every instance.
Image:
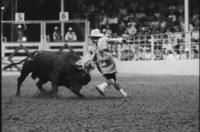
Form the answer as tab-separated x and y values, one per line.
39	35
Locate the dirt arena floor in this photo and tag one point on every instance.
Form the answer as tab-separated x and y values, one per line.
155	104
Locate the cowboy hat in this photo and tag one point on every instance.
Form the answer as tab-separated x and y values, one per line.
96	33
19	26
70	29
55	28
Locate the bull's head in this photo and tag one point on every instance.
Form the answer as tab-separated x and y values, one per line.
87	66
82	74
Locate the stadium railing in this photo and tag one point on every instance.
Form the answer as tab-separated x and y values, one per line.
174	46
159	47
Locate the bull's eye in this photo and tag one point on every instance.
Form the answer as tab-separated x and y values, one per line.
83	74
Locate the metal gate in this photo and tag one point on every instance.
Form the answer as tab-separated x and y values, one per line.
39	36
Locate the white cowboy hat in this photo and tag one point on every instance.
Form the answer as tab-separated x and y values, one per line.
96	33
19	26
55	28
70	29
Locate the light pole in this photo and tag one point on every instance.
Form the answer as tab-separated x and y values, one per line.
186	24
62	23
2	12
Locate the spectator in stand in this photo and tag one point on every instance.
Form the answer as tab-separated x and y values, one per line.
103	19
182	26
170	55
155	25
147	54
182	53
172	7
107	30
113	22
57	34
157	14
163	25
180	9
125	35
20	32
195	21
121	27
131	29
70	35
142	9
133	6
103	31
172	17
123	9
141	15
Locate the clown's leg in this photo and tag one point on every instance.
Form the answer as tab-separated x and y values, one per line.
117	87
101	88
121	90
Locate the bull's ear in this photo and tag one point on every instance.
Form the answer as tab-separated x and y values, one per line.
78	67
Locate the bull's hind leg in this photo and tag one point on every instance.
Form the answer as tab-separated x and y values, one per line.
54	91
76	90
54	82
26	69
39	85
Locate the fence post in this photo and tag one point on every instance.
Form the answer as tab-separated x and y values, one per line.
87	32
152	47
119	51
41	36
189	45
2	50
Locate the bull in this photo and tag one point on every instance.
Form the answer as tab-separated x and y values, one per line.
57	67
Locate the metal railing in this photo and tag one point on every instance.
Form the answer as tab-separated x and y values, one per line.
39	36
159	47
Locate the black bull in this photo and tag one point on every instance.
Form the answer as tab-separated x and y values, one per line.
57	67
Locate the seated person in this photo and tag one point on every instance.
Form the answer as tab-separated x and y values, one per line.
20	32
56	34
70	35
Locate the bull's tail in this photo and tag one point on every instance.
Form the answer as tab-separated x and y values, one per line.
16	63
13	64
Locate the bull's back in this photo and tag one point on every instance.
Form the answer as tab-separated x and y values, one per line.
46	62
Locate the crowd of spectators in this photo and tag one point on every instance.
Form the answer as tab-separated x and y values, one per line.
128	17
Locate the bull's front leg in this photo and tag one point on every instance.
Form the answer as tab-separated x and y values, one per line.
39	85
54	90
76	90
54	83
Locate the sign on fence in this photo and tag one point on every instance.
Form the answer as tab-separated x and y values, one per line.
19	17
64	16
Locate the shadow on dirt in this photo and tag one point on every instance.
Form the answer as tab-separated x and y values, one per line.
48	95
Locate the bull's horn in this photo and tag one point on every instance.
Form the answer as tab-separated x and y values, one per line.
79	62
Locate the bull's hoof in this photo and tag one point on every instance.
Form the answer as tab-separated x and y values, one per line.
54	97
82	96
33	76
17	95
42	91
52	94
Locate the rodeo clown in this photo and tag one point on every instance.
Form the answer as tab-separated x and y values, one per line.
99	55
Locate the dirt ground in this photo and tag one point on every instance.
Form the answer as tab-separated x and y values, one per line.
155	104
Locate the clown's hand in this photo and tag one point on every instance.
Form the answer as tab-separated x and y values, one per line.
90	65
124	40
91	49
